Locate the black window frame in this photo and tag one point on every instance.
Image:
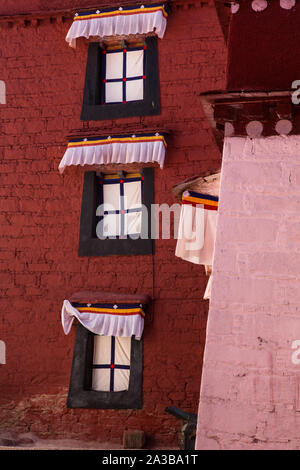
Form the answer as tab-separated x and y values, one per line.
90	244
81	395
92	107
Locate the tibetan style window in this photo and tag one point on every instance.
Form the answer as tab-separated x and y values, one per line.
108	354
120	209
106	372
121	81
111	363
116	214
123	74
116	208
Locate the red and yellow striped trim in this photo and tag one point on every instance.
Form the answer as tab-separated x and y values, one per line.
124	12
117	140
194	201
112	311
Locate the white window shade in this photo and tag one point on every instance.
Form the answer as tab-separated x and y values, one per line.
134	90
144	148
114	65
120	206
133	223
134	63
113	92
111	226
124	75
111	363
111	197
123	201
132	195
118	22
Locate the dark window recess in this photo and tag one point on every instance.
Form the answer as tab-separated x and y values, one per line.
81	394
116	215
121	83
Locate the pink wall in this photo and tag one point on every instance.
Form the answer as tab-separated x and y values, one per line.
250	391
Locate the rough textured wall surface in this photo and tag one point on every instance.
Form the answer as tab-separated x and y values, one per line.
250	390
40	212
258	59
13	7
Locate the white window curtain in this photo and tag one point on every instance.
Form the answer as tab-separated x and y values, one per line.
111	363
124	75
121	206
118	22
143	148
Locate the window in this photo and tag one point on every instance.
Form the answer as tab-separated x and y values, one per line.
121	81
123	75
111	363
116	214
94	383
121	206
107	363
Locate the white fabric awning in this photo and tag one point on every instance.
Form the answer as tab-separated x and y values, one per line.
118	22
146	148
111	364
122	320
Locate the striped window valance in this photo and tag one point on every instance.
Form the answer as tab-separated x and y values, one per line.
119	149
107	319
208	201
120	21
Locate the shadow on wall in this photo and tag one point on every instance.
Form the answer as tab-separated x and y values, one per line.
2	92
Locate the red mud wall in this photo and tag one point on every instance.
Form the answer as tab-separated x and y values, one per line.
264	48
40	212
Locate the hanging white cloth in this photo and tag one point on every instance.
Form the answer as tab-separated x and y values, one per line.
114	321
118	22
114	150
197	228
